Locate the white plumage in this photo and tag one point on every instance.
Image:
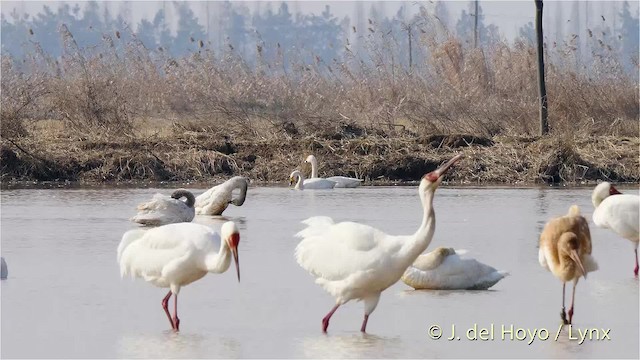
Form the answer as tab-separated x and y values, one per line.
618	212
444	269
297	178
176	255
161	210
215	200
341	181
352	261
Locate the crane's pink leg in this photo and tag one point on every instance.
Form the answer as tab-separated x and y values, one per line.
176	321
573	298
635	270
325	320
165	306
563	315
363	328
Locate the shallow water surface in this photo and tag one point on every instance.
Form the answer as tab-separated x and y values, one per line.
64	297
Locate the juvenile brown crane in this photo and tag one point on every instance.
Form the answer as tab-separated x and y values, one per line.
565	250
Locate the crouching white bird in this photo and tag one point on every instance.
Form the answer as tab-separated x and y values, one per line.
297	178
215	200
444	269
162	211
618	212
565	250
175	255
341	181
353	261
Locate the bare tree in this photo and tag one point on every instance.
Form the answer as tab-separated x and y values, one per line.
542	89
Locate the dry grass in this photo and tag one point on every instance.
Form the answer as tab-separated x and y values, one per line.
202	156
138	114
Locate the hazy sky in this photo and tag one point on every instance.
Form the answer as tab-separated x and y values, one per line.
508	15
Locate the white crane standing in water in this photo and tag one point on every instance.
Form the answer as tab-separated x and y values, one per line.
618	212
175	255
354	261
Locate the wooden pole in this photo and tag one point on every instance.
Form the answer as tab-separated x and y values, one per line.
542	89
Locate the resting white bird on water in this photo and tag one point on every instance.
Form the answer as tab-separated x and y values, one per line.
444	269
215	200
175	255
565	250
162	211
354	261
618	212
341	181
297	178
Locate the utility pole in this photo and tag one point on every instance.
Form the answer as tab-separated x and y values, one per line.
542	89
475	27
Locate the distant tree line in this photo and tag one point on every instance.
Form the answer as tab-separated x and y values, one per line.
275	35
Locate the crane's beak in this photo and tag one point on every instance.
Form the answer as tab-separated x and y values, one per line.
613	191
233	241
576	258
234	252
291	181
443	169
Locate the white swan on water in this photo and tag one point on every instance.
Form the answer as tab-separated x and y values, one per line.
341	181
618	212
215	200
352	261
161	210
175	255
444	269
297	178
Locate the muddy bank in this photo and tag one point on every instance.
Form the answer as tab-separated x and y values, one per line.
204	157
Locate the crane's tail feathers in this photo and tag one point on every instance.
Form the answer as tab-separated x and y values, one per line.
318	220
315	225
129	237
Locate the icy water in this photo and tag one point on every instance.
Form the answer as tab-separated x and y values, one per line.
64	297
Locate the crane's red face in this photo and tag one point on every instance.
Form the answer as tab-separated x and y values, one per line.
436	175
613	191
233	240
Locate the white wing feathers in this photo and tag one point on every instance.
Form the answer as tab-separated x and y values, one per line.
621	214
215	200
163	210
333	252
454	273
151	254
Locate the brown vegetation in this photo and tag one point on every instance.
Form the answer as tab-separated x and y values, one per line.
100	114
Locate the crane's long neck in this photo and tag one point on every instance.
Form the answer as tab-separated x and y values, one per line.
420	240
218	262
314	168
300	182
242	185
